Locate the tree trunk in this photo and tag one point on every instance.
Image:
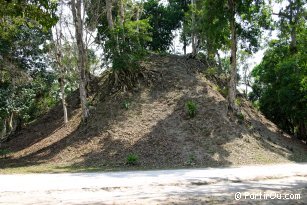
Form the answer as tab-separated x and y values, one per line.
245	81
184	46
76	11
3	130
293	21
11	118
62	86
59	57
121	12
193	29
233	73
220	62
109	13
302	130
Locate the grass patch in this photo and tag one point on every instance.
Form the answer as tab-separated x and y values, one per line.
191	108
132	159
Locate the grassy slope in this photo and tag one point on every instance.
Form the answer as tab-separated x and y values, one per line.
156	128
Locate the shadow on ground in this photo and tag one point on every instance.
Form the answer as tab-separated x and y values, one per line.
155	127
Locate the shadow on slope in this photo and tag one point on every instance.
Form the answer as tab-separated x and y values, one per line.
44	126
155	127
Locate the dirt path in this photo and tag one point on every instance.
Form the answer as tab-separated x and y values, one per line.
194	186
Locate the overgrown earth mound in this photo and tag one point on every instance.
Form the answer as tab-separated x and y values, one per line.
150	127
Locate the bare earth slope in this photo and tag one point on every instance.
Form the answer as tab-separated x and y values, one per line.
156	128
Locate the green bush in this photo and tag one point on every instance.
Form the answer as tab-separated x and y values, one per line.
132	159
191	108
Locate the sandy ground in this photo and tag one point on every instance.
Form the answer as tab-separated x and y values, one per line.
268	184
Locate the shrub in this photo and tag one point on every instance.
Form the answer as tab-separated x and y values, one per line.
126	104
223	91
192	160
240	116
4	152
238	102
132	159
191	108
211	71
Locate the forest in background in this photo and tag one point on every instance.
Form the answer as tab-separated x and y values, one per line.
48	49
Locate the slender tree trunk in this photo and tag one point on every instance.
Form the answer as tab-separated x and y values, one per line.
245	81
193	29
121	12
61	69
292	19
302	130
62	87
3	130
220	62
76	11
109	13
233	73
184	45
11	118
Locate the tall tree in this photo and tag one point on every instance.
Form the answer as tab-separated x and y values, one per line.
193	26
237	20
163	19
58	56
79	27
109	6
24	27
291	18
280	79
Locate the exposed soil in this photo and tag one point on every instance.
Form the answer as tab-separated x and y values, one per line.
155	126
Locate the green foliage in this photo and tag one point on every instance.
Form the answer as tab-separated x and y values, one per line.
191	108
280	85
28	100
222	90
126	104
212	24
212	71
192	159
240	116
163	19
132	159
238	102
22	24
24	84
4	153
127	44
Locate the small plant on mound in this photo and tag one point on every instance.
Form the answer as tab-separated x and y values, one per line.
211	71
4	153
192	160
132	159
191	108
238	102
240	116
126	104
222	90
